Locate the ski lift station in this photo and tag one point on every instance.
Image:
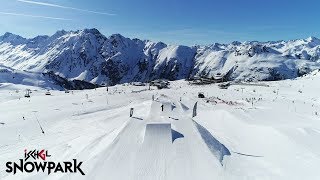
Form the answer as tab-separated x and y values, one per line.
138	84
217	78
160	83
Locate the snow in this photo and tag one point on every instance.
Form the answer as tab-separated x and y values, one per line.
117	59
9	75
257	130
263	130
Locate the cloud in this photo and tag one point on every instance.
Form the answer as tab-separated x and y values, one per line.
65	7
35	16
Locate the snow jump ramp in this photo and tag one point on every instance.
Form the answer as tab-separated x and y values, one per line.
161	132
153	157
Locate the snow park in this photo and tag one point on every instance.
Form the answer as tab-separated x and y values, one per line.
116	103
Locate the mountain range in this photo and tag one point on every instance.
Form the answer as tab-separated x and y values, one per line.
85	58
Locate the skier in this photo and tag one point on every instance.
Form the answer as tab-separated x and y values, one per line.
162	107
131	112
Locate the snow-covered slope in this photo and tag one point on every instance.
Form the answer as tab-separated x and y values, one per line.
248	131
89	56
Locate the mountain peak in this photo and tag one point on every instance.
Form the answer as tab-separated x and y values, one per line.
13	38
312	38
236	43
7	34
59	33
91	31
117	39
116	36
88	55
10	35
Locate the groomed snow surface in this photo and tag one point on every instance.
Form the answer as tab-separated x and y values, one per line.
268	130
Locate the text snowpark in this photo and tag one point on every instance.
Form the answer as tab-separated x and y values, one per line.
43	166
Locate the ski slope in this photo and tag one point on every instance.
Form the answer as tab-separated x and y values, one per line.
268	130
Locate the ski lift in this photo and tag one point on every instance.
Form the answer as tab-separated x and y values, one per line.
27	95
103	85
48	93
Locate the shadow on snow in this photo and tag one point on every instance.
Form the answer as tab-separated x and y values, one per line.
217	149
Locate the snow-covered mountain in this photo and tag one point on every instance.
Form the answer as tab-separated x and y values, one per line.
89	56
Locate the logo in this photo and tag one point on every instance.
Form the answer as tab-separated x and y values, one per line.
36	161
36	154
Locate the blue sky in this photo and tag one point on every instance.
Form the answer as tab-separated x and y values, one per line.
186	22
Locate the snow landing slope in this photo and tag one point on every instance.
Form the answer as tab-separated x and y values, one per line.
87	55
159	147
249	131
